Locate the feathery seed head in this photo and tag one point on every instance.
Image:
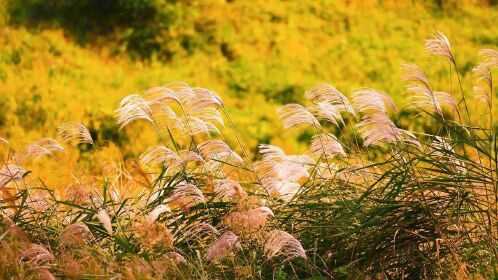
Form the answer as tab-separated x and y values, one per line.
74	131
378	128
42	147
250	220
176	258
131	108
203	99
227	244
415	75
326	144
189	156
442	149
166	264
228	189
370	100
439	46
266	210
158	95
282	244
161	155
77	234
195	125
483	73
218	150
489	56
185	195
482	95
295	115
199	231
423	95
271	152
105	220
327	93
11	173
37	256
327	112
154	214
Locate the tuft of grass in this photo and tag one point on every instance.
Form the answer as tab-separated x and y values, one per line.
370	199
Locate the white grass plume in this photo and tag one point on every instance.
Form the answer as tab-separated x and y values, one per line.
271	152
433	101
439	45
38	149
203	99
293	169
442	149
154	214
218	150
228	189
175	162
283	189
160	154
490	57
294	116
158	95
78	234
131	108
484	75
370	100
279	173
176	257
224	246
105	220
282	244
378	128
326	145
11	173
189	156
250	220
422	94
37	256
195	125
282	166
185	195
327	112
182	90
199	231
415	75
76	132
482	95
327	93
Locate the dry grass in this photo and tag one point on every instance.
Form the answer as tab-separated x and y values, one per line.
370	199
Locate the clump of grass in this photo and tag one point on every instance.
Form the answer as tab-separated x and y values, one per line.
369	199
171	214
414	205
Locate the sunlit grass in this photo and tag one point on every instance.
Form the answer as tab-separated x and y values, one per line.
370	198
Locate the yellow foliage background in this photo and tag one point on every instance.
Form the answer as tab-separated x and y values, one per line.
271	52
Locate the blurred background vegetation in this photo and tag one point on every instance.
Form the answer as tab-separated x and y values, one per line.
73	60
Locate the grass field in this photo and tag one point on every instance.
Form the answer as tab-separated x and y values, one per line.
248	139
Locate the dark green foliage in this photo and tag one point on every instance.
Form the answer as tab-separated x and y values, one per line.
137	24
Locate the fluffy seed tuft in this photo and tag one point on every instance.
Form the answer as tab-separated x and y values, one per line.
282	244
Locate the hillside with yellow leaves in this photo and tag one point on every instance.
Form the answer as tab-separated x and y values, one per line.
232	139
257	55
